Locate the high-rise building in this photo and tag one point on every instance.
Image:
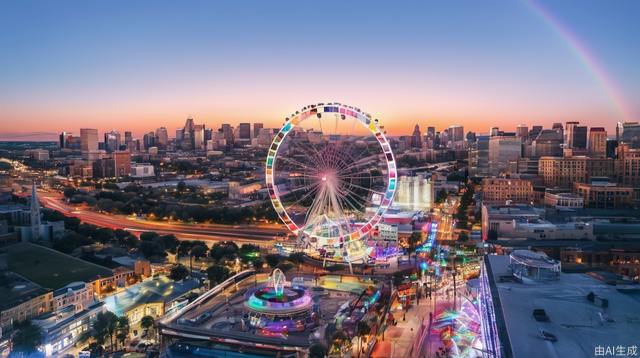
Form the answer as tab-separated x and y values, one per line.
503	149
88	140
227	132
456	133
564	171
629	164
416	137
522	131
256	129
494	131
414	193
149	140
479	157
568	133
534	132
629	132
579	137
612	147
112	141
597	142
162	137
244	133
122	163
63	141
198	137
547	144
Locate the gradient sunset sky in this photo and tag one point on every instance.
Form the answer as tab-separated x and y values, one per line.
139	65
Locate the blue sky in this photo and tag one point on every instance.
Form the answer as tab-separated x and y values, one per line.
138	65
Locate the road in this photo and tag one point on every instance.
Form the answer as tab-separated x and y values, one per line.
259	234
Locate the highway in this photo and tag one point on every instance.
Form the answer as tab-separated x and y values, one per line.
259	234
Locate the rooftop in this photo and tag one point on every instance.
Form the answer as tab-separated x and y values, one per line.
15	290
50	268
578	323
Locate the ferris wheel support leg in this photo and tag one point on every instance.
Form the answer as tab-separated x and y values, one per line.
350	267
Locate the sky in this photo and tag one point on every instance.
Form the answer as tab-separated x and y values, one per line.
139	65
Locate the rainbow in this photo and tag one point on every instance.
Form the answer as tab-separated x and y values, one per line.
586	57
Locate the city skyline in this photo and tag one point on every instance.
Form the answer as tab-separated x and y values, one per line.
227	64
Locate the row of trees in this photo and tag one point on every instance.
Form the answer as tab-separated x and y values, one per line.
185	204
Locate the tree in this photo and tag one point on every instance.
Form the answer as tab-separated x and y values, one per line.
27	339
226	250
413	241
122	329
273	260
148	235
102	329
217	274
257	264
147	322
178	272
318	350
362	330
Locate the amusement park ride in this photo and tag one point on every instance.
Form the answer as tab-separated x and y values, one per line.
331	175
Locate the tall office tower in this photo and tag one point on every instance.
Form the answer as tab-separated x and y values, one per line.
162	137
227	132
256	129
503	149
612	147
198	137
494	131
629	163
547	144
34	211
244	133
597	142
112	141
534	132
569	133
128	138
522	132
122	163
456	133
186	142
149	140
208	135
88	139
179	135
479	157
65	139
431	132
416	137
629	132
580	134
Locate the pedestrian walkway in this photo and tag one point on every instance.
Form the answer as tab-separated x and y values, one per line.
399	339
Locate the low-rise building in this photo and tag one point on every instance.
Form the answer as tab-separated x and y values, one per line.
563	200
564	171
503	190
21	299
603	194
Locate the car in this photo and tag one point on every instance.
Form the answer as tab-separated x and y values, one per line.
540	315
547	336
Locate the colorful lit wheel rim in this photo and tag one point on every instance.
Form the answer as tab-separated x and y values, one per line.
331	175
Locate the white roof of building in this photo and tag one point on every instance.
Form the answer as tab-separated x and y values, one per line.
579	325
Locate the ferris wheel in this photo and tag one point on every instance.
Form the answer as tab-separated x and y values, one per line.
331	175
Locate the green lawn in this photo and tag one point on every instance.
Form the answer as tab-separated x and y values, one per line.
49	268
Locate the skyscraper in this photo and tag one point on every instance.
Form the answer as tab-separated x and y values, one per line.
198	137
88	139
503	149
456	133
112	141
568	133
416	137
522	131
597	142
227	132
162	137
244	133
256	129
579	137
494	131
